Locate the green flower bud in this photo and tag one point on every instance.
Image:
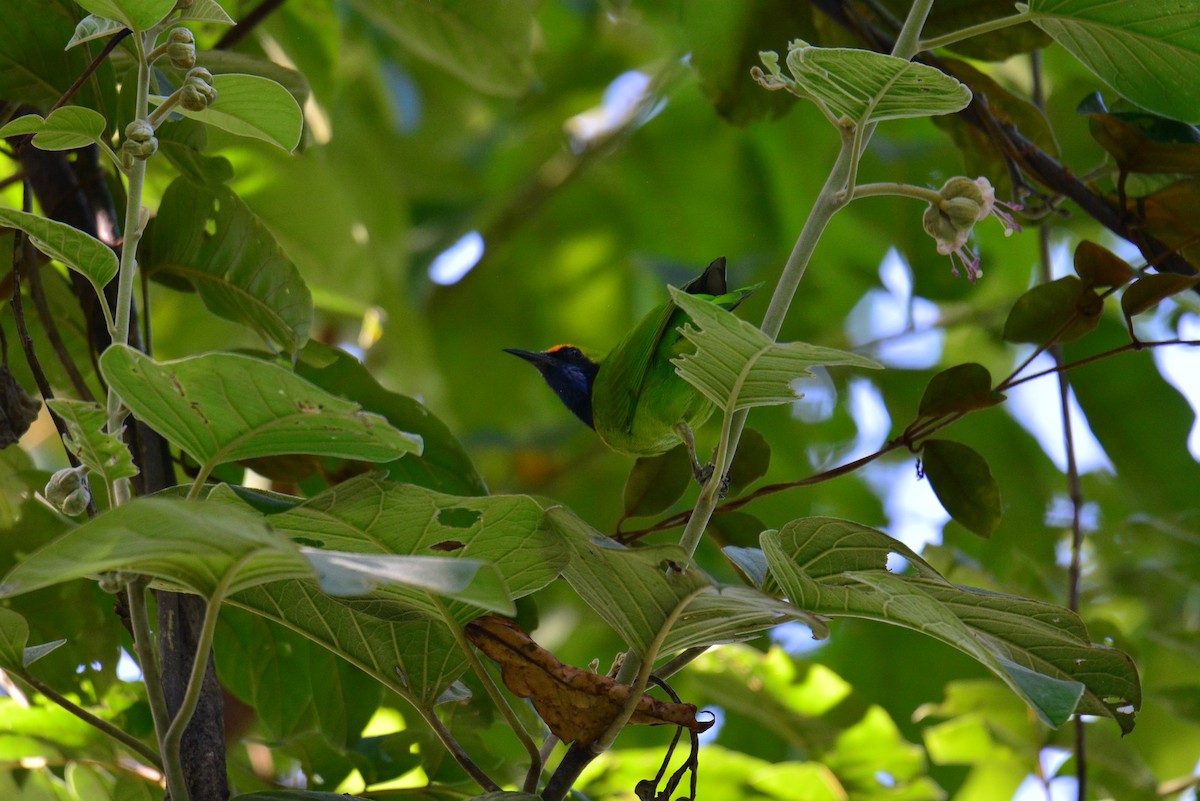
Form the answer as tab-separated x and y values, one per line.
68	490
139	131
181	48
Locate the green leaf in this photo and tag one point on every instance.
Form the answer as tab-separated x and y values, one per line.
1066	307
414	654
962	388
737	366
66	128
724	39
93	27
223	62
1131	45
207	236
865	87
1149	290
487	44
640	591
656	482
291	683
750	463
223	407
33	67
1099	266
442	465
253	106
962	481
102	453
14	633
139	15
83	253
371	517
838	568
206	11
467	580
203	548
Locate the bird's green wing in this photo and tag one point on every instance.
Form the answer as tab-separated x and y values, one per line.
637	352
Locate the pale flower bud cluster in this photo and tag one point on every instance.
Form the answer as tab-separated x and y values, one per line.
68	490
181	48
140	142
961	204
197	92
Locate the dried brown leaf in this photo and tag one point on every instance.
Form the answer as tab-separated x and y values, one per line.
576	704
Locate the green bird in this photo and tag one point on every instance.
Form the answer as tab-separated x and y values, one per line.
633	398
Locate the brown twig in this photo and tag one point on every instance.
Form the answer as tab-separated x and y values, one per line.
239	32
91	68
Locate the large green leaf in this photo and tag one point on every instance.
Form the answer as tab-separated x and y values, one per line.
488	44
642	591
206	236
865	87
83	253
223	407
33	67
368	516
442	465
201	547
1132	46
253	106
737	366
413	653
291	682
838	568
140	15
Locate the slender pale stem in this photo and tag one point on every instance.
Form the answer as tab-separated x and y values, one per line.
888	189
132	235
947	39
460	756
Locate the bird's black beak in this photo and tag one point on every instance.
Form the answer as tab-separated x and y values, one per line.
533	357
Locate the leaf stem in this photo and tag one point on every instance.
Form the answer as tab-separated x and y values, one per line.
143	640
947	39
535	753
888	189
460	756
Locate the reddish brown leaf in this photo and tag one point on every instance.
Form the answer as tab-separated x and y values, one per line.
576	704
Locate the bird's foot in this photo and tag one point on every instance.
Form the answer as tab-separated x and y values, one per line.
704	472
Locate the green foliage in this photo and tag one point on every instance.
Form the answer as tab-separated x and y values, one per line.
386	475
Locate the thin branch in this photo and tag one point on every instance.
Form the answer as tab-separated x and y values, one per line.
460	756
126	739
246	26
37	292
498	699
109	46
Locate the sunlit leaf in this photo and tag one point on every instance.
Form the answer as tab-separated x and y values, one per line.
640	591
1130	45
102	453
253	106
737	366
865	87
66	128
140	15
1042	652
223	407
83	253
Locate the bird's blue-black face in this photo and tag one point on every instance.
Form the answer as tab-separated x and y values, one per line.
569	373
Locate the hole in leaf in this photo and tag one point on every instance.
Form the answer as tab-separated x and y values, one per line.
447	545
458	517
